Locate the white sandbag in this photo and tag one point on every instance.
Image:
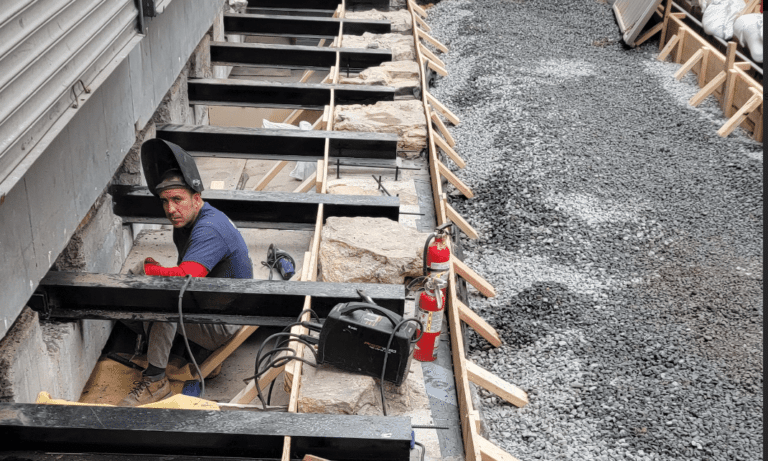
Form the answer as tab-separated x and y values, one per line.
702	4
719	17
303	169
749	30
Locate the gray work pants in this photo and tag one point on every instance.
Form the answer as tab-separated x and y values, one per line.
162	334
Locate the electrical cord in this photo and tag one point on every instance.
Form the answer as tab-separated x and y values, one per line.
187	280
386	355
423	449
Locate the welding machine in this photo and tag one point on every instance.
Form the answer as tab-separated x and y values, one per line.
355	335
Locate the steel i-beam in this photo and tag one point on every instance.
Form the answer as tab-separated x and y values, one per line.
300	26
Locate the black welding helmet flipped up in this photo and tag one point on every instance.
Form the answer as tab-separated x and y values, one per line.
158	156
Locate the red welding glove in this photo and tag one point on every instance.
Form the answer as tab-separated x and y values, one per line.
186	268
140	267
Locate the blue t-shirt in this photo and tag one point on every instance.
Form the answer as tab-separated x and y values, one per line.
214	241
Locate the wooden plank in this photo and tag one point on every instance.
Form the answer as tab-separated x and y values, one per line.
442	144
277	168
429	39
743	65
482	327
319	178
668	48
665	23
423	24
752	7
443	129
697	56
249	393
740	116
457	219
490	452
473	278
419	10
681	33
707	90
430	55
439	69
453	179
650	33
219	355
442	109
704	67
730	83
498	386
307	184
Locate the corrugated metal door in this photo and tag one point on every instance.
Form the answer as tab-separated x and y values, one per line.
46	48
633	15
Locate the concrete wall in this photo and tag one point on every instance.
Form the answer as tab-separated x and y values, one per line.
59	214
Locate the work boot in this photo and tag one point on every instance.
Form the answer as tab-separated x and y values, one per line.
147	391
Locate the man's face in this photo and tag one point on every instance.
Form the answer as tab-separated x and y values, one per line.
181	206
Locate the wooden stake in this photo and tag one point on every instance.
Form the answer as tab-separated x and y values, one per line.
430	55
440	70
442	109
270	175
708	89
307	184
428	38
743	65
490	452
443	129
665	22
453	179
650	33
473	278
457	219
699	54
498	386
739	117
442	144
477	323
668	49
704	66
419	10
680	44
319	177
730	83
423	24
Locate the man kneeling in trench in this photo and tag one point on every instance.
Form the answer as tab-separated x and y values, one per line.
209	245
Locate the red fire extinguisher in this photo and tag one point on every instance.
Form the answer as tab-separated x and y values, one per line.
437	255
430	308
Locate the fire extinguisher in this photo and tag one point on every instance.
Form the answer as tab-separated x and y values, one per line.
430	308
437	255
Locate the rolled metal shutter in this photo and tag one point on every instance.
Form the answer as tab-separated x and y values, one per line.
632	16
47	48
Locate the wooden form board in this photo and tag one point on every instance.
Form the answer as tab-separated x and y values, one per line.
688	44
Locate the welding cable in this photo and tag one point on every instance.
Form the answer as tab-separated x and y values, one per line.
279	361
423	449
188	279
386	355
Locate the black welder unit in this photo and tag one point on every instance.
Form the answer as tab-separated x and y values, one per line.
355	335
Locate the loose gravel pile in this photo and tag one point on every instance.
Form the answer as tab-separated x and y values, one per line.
623	235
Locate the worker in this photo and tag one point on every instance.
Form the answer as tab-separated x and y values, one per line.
208	244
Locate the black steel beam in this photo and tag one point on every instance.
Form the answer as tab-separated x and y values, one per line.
255	209
311	96
206	300
300	26
295	56
93	429
318	5
43	456
277	144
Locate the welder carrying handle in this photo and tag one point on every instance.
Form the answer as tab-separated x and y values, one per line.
352	307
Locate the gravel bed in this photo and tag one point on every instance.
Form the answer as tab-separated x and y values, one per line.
623	235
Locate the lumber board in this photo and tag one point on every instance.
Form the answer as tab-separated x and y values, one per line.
437	68
457	219
665	23
490	452
710	88
422	23
668	48
442	129
307	184
681	33
649	33
482	327
430	55
419	10
442	109
740	116
697	56
730	82
473	278
442	144
704	66
319	176
270	175
429	39
498	386
453	179
219	355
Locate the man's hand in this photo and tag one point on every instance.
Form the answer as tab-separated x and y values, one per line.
138	269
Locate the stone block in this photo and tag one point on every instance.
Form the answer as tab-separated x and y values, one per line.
400	19
401	75
405	118
369	250
25	368
402	46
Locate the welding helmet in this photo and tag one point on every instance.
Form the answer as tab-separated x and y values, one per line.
158	157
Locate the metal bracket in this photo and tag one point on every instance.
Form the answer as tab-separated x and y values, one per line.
149	8
40	303
74	93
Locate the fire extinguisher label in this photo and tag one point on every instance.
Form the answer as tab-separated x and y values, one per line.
432	321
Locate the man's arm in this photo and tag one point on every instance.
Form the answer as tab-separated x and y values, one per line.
152	267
